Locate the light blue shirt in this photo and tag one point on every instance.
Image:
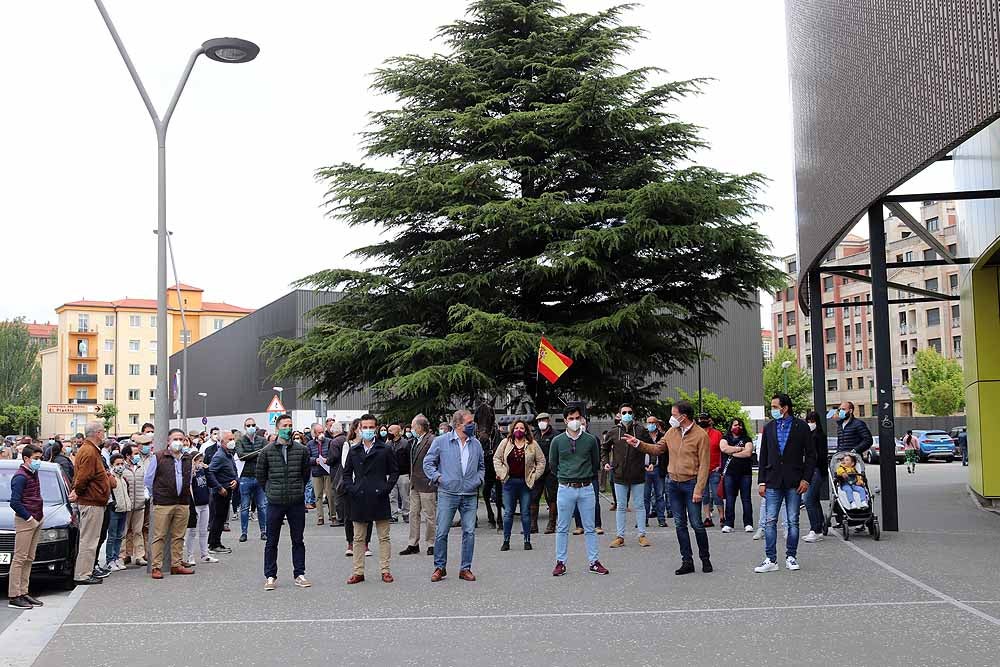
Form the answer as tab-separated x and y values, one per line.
147	479
464	448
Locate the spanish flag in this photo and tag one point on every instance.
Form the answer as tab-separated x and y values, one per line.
551	363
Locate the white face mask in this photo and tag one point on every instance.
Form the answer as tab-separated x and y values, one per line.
573	425
674	422
812	427
231	445
177	445
542	425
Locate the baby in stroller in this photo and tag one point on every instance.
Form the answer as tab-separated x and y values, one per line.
853	486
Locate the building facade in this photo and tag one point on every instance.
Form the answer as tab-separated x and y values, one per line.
106	353
767	344
847	333
41	334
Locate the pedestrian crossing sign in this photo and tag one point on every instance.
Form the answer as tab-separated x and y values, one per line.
275	405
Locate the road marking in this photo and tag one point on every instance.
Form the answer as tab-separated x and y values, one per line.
926	587
493	617
29	634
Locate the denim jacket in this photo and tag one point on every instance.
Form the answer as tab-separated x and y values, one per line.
443	465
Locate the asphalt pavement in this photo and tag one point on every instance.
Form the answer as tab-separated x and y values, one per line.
928	595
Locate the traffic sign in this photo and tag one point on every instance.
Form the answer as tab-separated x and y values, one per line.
275	405
73	408
204	421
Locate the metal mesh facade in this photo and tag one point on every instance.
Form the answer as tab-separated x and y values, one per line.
880	89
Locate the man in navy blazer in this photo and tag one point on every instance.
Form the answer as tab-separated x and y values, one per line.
786	460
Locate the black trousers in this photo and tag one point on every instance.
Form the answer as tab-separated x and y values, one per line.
104	532
220	505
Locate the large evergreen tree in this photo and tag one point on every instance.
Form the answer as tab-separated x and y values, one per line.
533	186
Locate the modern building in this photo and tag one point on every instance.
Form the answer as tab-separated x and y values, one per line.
106	353
848	340
881	91
238	382
41	334
767	345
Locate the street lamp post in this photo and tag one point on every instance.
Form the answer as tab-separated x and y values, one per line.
784	371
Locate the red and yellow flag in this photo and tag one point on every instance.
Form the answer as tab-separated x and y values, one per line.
552	363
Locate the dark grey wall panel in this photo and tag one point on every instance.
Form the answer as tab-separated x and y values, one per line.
880	89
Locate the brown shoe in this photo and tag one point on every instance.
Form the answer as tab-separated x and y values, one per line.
599	530
551	526
387	578
620	542
614	506
355	579
181	570
157	573
466	575
310	506
439	574
578	531
644	541
319	521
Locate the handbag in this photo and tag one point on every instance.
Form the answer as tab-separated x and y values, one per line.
720	488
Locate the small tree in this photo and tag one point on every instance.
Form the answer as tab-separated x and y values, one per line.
936	384
108	413
799	382
722	410
21	419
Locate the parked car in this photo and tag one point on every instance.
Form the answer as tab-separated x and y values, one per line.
935	445
872	455
55	557
955	432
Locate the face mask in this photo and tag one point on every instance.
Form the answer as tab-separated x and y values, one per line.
442	431
573	425
231	445
35	465
176	445
674	422
542	425
119	469
651	428
775	413
409	434
368	434
842	414
518	434
703	424
812	427
50	442
251	431
285	433
627	418
135	459
145	449
383	433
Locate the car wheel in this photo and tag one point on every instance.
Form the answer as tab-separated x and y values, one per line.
922	458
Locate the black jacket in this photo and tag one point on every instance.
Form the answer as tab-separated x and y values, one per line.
785	470
284	481
853	435
248	452
822	453
317	448
628	462
401	450
368	479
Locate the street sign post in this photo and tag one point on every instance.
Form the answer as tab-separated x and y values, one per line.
274	408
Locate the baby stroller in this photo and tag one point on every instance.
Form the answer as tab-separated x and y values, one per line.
845	516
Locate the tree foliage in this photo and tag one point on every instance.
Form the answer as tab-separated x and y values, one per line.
20	372
108	413
936	384
722	410
19	419
799	381
527	184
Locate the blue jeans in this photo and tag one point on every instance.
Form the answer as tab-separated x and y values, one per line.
621	499
597	507
849	489
249	488
116	530
710	498
295	514
569	500
773	498
652	495
447	505
685	509
811	499
738	484
516	489
310	493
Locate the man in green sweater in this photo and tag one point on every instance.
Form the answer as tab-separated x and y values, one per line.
575	460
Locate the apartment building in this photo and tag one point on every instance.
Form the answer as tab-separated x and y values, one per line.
766	343
106	353
847	332
41	334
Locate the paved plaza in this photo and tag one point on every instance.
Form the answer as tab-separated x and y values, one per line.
928	595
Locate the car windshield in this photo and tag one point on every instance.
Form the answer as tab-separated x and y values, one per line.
51	493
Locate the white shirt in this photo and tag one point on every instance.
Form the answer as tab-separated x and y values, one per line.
464	449
344	451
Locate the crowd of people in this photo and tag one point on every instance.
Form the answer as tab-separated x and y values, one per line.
146	506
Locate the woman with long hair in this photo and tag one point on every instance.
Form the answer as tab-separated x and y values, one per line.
811	497
489	437
737	450
519	463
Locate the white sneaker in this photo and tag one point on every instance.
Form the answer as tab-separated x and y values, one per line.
121	564
812	537
864	505
368	552
269	584
349	552
209	559
302	582
748	529
727	529
759	534
766	565
141	562
790	563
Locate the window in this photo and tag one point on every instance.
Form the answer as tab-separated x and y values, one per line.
790	318
829	313
792	266
133	394
135	321
857	331
109	345
933	317
861	382
847	361
929	254
871	358
831	385
952	249
807	336
152	369
152	394
860	359
185	336
847	333
861	410
83	322
905	375
781	342
109	369
857	308
778	295
953	283
152	346
809	361
81	395
956	316
828	284
218	323
790	294
933	224
956	345
850	384
831	335
831	361
133	346
109	394
133	419
133	369
934	343
777	321
791	340
109	320
845	281
931	284
81	369
899	259
908	257
869	327
152	321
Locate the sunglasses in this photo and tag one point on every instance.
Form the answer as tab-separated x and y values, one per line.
627	412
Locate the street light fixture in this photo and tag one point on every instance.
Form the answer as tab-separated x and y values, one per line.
230	50
281	395
785	365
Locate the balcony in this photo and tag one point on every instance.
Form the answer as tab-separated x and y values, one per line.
956	323
83	401
904	359
83	378
88	331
